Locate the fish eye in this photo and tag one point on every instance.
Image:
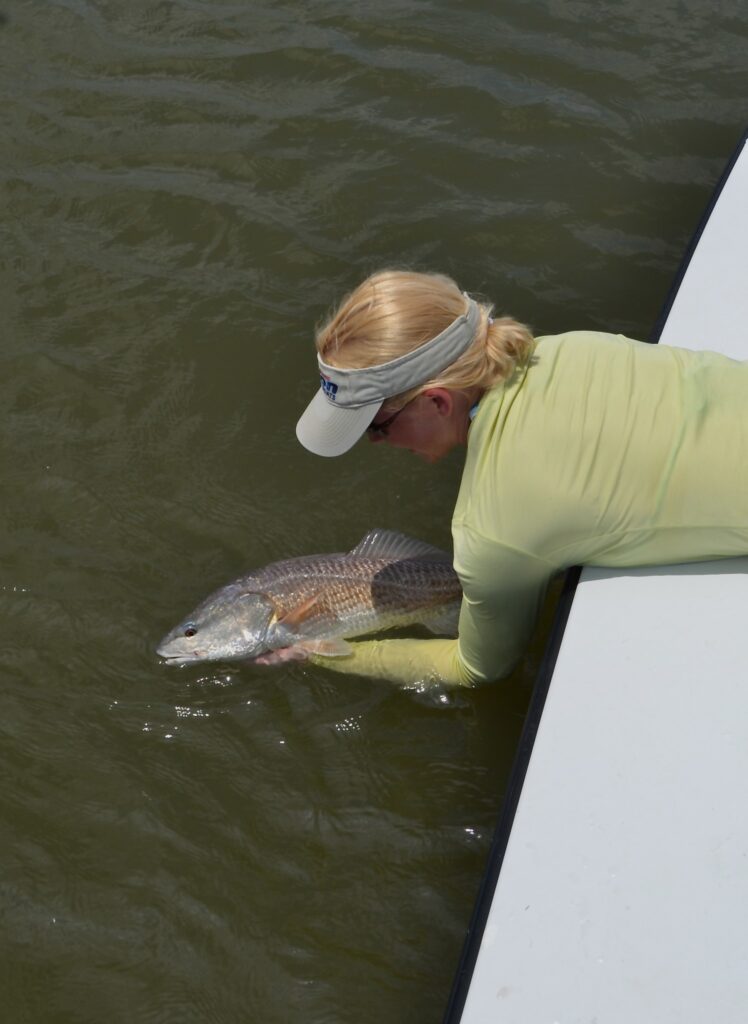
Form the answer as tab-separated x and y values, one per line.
190	630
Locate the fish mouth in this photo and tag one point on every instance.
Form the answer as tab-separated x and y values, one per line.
179	659
193	658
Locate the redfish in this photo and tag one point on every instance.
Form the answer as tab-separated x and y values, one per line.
316	602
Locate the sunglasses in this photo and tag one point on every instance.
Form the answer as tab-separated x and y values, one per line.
381	428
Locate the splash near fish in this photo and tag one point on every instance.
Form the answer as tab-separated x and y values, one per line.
318	602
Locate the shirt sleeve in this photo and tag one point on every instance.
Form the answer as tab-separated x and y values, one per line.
504	589
503	592
407	662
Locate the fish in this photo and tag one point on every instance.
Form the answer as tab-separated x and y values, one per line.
318	602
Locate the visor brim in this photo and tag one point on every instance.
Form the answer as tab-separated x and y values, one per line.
328	429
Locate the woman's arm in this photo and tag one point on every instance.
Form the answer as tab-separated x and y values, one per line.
504	589
407	662
503	593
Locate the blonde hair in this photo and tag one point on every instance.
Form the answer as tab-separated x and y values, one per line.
394	311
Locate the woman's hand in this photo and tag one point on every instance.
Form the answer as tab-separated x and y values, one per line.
282	655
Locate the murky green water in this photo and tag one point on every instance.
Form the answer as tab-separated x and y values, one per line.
186	188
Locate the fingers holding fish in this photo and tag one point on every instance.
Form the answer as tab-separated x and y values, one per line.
281	656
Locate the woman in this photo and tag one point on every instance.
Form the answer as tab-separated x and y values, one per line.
582	448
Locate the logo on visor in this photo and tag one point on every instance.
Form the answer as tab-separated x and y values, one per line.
330	389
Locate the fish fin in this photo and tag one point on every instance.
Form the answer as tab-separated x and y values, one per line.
298	614
389	544
335	648
445	622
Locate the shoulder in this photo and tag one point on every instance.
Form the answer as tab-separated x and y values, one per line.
482	560
578	352
599	341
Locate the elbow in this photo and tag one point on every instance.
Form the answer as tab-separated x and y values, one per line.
476	675
477	678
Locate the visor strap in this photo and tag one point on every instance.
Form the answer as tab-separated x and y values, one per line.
353	388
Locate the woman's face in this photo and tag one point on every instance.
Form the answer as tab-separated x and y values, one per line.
430	425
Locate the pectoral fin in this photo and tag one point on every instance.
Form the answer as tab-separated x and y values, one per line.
294	617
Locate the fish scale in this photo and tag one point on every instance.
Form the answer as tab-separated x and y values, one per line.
354	581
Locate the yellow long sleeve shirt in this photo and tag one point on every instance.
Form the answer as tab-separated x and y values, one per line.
603	451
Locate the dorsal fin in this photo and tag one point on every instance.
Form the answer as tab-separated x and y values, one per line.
396	546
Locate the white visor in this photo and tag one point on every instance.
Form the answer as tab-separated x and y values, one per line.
348	400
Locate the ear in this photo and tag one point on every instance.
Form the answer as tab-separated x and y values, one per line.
442	398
